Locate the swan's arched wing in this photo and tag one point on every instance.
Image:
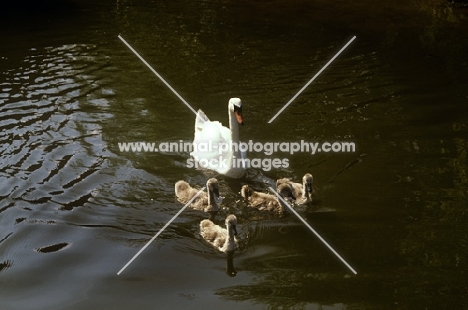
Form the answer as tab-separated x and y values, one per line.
207	137
225	133
200	119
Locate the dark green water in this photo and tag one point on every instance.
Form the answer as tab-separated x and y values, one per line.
74	209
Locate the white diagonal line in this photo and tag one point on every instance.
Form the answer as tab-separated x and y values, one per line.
308	83
158	75
160	231
313	230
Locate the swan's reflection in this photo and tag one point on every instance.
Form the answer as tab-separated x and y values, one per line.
230	271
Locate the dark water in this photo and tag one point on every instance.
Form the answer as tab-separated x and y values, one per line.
74	209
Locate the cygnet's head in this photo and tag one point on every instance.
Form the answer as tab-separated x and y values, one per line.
212	186
246	192
213	197
231	222
286	191
308	179
180	187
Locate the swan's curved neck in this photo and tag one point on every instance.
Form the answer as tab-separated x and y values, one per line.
212	199
230	243
230	233
305	190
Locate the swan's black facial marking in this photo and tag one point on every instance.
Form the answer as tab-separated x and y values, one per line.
238	113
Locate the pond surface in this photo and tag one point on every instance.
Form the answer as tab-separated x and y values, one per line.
75	209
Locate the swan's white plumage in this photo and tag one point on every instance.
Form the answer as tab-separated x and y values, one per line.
210	135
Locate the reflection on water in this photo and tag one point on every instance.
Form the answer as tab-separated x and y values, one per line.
75	209
230	269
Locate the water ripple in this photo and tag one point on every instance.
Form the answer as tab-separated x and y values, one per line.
52	152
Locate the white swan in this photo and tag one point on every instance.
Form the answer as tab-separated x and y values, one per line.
207	202
221	238
302	192
213	142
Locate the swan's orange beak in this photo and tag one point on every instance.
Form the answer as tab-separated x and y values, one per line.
239	118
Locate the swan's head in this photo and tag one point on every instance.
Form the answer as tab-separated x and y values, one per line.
235	106
231	222
246	192
307	180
